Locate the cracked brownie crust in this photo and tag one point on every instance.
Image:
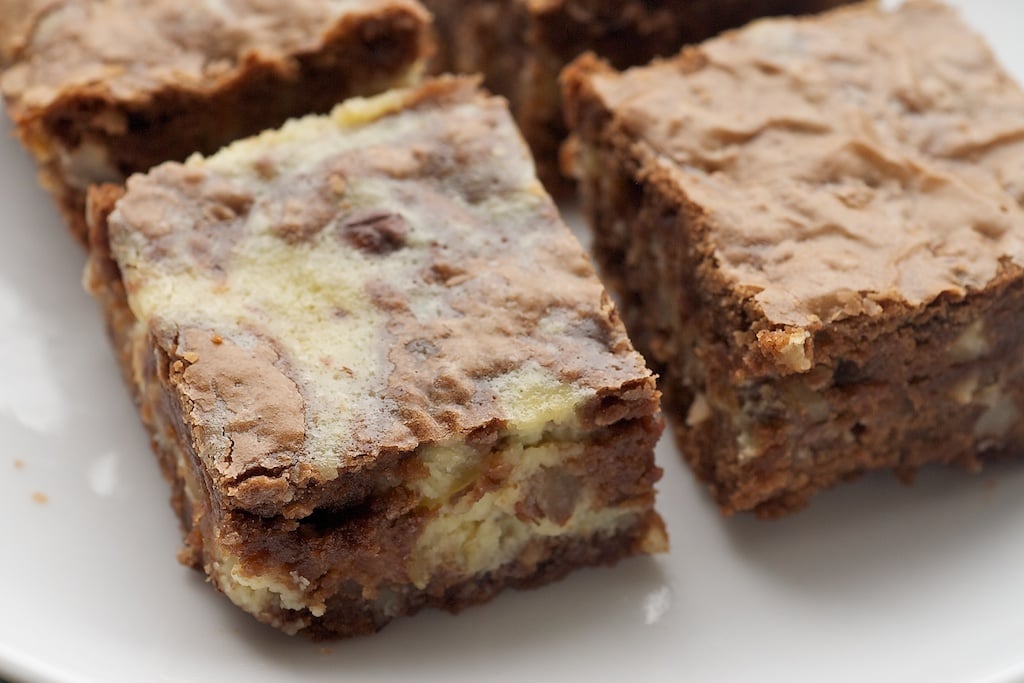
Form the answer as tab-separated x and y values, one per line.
521	46
816	228
100	89
378	369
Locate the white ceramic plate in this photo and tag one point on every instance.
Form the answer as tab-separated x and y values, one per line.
876	581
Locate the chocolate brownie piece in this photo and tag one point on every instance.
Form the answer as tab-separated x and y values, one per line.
376	366
816	227
100	89
521	46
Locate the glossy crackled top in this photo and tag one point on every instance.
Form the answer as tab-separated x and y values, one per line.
138	46
864	157
360	283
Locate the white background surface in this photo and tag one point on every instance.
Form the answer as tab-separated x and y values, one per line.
875	581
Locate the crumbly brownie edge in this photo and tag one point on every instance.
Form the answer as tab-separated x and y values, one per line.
559	557
102	279
496	38
625	33
521	48
913	386
347	570
388	49
357	560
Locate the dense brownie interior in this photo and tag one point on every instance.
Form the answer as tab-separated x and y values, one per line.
420	427
86	132
823	260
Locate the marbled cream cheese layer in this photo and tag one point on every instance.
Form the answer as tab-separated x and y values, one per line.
362	283
846	161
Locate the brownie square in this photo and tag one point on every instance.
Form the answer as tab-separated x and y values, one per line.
521	46
99	90
816	227
377	368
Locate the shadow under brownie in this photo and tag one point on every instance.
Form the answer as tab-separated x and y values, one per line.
816	227
378	369
100	89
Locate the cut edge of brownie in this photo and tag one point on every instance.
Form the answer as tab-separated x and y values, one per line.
350	568
88	135
360	543
942	393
